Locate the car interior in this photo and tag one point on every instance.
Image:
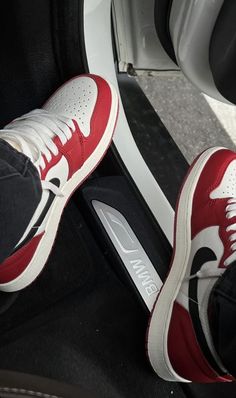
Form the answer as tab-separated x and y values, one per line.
79	329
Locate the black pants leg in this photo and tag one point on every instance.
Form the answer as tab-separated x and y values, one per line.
222	316
20	193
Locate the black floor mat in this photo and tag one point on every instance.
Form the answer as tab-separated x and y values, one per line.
41	45
78	323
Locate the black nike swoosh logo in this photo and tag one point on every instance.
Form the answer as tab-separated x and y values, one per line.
202	256
43	214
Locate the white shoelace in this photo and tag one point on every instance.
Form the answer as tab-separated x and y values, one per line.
230	213
208	271
34	133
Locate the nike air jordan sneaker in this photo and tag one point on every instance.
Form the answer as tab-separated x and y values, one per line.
65	140
179	342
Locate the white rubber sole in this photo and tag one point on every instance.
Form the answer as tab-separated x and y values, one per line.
45	246
157	344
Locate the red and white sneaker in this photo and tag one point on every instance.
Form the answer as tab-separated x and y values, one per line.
65	140
179	342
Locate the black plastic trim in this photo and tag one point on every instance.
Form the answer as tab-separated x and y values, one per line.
162	18
223	51
117	192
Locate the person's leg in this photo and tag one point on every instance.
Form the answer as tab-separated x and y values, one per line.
191	335
222	317
65	141
20	194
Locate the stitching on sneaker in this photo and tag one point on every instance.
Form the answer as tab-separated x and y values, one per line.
30	393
